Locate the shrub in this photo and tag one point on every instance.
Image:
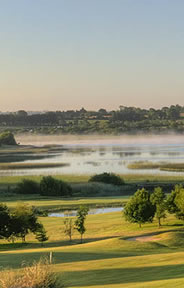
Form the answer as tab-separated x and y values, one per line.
93	189
50	186
39	275
27	186
108	178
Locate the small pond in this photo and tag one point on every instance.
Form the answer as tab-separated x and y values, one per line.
70	213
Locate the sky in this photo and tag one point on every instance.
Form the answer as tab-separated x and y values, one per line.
68	54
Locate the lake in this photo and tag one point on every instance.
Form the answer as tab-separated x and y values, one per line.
95	154
93	211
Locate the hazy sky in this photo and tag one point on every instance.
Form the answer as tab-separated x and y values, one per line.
65	54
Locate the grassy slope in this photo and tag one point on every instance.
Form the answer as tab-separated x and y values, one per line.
54	203
106	259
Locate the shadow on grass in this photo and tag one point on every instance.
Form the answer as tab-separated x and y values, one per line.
124	275
154	233
15	260
28	245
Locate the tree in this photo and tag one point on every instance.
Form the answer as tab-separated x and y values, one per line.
50	186
24	221
108	178
139	208
68	227
158	199
79	223
4	221
41	234
174	202
22	113
27	186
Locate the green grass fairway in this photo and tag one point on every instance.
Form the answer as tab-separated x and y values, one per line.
107	259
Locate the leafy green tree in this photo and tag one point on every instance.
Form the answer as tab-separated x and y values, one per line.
108	178
139	208
24	221
41	234
174	202
68	227
4	221
79	223
158	199
50	186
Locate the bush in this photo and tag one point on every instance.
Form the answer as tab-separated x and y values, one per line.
93	189
27	186
50	186
108	178
7	138
39	275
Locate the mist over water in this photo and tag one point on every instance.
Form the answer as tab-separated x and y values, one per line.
41	140
97	154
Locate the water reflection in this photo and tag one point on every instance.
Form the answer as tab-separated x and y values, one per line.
92	159
72	213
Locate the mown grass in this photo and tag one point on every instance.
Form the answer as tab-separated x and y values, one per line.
54	203
107	259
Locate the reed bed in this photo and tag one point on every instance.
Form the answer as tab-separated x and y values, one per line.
9	166
173	167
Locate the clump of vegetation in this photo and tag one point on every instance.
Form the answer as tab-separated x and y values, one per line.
7	138
177	167
50	186
108	178
7	166
94	189
82	212
139	208
41	234
68	227
27	186
144	165
38	275
19	223
175	202
158	199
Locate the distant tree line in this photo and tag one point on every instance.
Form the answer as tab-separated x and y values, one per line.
123	120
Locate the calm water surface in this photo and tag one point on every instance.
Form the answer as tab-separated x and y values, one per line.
109	155
70	213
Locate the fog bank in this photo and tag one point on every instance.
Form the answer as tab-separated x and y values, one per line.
40	140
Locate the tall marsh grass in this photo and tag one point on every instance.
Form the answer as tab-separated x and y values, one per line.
175	167
39	275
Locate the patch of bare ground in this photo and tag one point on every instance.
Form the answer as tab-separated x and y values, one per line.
144	238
